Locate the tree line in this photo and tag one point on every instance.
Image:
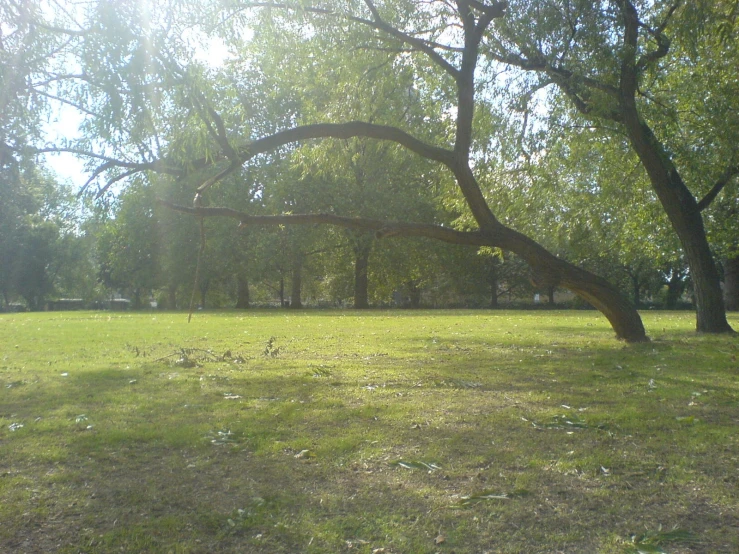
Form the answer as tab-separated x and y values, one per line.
596	143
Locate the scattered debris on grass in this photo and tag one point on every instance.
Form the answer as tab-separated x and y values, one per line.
321	371
429	466
458	384
271	350
565	421
224	436
489	495
651	542
197	357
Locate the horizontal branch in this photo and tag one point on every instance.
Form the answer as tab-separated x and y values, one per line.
382	229
342	131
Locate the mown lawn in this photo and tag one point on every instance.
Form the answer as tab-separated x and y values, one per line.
385	432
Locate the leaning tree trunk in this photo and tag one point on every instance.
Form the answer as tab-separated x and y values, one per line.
678	202
361	278
547	269
731	283
682	210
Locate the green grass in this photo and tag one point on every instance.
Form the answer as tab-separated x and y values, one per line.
278	432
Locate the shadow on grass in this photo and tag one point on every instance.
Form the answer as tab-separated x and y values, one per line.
565	447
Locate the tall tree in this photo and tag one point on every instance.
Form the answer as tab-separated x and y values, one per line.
438	43
606	58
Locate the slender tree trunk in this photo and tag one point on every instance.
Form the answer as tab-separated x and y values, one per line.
242	293
172	297
204	286
414	293
361	278
282	292
675	287
731	283
550	291
297	283
493	282
136	299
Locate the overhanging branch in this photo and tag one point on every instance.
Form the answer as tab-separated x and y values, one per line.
342	131
382	229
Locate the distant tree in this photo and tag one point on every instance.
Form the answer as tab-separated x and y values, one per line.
129	246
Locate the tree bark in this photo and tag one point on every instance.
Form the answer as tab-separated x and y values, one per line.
678	202
731	283
243	300
361	277
682	210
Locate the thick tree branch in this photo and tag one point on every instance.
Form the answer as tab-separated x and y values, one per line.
491	11
723	180
382	229
488	13
629	72
663	47
342	131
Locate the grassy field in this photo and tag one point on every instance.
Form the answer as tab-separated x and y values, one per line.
381	432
